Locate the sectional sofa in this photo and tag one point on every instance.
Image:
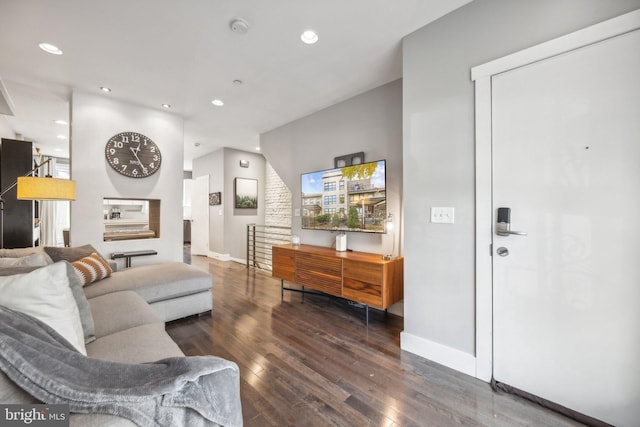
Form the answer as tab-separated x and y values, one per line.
122	316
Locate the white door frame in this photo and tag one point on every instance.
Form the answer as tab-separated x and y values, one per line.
482	76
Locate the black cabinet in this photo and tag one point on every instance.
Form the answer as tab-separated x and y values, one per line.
16	159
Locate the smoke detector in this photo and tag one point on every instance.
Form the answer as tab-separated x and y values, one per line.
239	26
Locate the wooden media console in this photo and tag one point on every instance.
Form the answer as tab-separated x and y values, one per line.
365	278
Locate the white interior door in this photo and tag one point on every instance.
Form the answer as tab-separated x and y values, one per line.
200	213
566	160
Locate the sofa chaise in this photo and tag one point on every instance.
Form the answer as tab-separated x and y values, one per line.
174	289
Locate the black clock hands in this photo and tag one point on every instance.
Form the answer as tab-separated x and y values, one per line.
135	152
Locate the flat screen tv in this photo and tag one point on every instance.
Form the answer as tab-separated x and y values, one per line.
350	198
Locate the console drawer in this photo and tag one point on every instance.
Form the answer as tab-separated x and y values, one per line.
319	272
363	282
284	264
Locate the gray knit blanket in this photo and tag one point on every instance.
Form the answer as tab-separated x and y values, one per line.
181	391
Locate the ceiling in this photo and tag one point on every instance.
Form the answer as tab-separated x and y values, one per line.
184	53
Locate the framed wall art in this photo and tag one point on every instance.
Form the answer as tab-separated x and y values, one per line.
215	198
246	193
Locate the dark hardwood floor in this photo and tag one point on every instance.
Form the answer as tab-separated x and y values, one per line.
315	362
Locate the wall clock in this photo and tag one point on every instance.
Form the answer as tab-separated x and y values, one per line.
133	154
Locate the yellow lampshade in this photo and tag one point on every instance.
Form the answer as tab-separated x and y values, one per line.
36	188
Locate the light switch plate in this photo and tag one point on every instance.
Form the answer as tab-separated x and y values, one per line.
442	215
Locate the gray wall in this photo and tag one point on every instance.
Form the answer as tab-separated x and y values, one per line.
370	122
236	220
227	225
438	124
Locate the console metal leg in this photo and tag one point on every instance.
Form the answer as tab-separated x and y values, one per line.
303	291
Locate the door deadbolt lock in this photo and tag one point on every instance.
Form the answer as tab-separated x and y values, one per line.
502	251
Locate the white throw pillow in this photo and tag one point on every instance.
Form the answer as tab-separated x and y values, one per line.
45	294
33	260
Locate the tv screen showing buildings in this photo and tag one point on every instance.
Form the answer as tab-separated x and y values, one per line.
351	198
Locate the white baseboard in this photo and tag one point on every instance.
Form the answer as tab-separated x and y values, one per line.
447	356
220	257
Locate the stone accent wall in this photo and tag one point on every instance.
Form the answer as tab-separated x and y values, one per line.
277	200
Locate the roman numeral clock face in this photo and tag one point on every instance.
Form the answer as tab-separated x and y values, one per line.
133	154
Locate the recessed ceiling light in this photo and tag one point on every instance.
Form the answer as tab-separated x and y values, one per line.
196	144
217	102
60	122
61	136
166	105
237	82
105	89
49	48
257	148
309	37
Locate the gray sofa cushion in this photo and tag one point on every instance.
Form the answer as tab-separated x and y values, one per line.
154	282
188	305
36	259
118	311
141	344
86	318
74	253
22	252
69	254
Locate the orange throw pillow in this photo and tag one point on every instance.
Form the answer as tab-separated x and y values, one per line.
92	268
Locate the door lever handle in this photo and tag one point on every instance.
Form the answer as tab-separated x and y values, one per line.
510	232
502	229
